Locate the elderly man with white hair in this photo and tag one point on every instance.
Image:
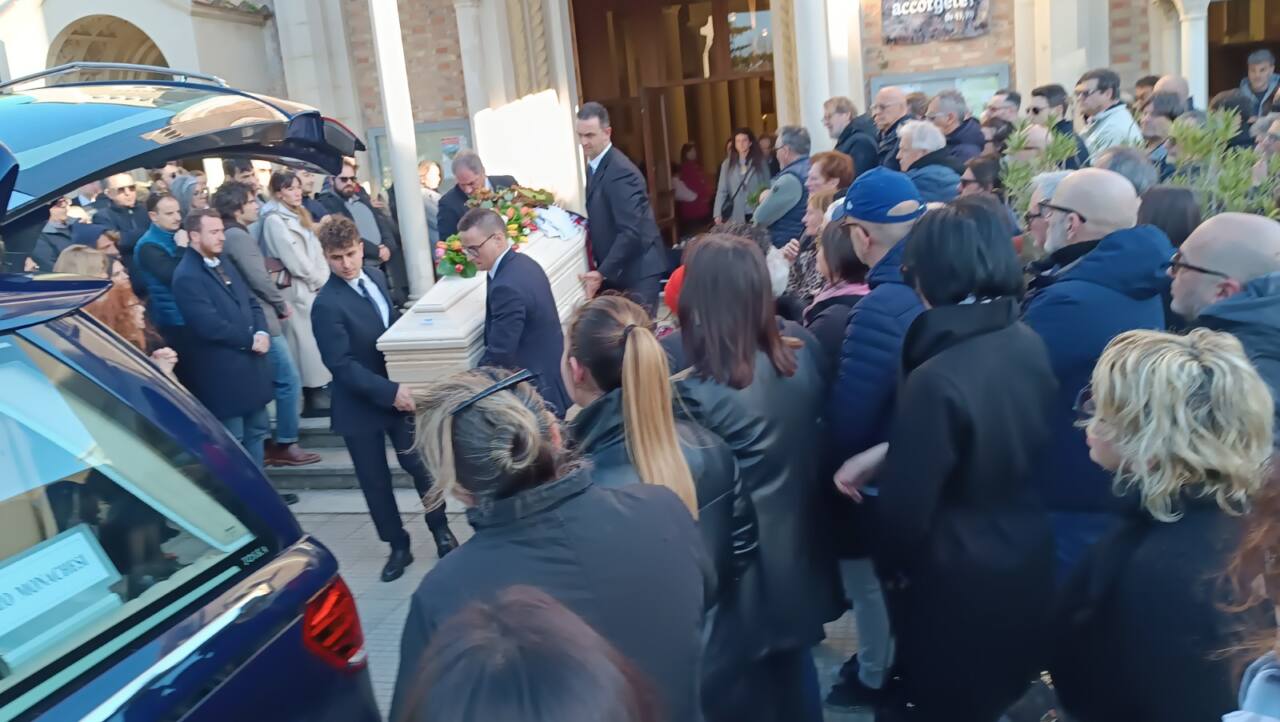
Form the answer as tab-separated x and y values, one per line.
922	153
950	112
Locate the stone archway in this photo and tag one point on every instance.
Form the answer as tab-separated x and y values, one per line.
105	39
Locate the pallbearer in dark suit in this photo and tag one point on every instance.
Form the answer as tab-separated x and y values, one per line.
349	314
521	323
625	247
470	173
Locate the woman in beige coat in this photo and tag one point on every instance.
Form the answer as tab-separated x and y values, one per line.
287	235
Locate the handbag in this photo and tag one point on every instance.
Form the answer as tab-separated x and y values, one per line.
726	208
275	267
279	274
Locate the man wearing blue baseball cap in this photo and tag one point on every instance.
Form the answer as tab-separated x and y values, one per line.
879	212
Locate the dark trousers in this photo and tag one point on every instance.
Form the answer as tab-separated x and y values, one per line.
643	292
369	455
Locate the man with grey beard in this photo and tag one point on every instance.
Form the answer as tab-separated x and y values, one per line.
1103	276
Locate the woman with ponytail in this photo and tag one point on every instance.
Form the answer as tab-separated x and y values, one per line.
627	560
615	369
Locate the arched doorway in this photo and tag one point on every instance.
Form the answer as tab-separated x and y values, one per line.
105	39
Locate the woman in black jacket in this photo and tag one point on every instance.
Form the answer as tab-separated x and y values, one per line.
615	369
1185	424
763	393
963	548
844	278
628	560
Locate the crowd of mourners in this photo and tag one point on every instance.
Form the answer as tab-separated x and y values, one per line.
1028	451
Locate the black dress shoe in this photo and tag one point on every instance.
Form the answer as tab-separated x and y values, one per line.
445	541
394	569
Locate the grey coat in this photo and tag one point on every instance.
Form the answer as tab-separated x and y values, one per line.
241	248
731	176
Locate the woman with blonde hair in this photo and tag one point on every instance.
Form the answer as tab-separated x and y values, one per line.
804	282
288	233
1184	423
625	559
616	370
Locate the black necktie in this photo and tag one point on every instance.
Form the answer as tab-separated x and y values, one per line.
364	291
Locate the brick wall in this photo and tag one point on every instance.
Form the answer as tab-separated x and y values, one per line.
1130	40
431	53
881	59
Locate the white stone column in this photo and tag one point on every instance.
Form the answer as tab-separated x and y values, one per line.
813	70
402	142
1193	20
471	45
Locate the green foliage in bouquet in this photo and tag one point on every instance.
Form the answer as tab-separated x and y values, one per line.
1224	179
517	205
451	261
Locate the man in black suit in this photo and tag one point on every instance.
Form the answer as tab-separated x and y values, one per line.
227	339
625	249
521	323
469	172
349	314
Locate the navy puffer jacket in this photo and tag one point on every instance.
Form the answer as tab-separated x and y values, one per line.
870	358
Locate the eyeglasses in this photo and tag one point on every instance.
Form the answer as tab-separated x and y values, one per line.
346	178
1064	210
1176	264
1028	218
1086	93
1084	407
474	251
516	378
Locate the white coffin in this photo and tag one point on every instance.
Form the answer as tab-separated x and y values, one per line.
443	332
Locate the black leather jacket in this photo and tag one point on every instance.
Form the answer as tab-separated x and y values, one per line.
725	517
774	428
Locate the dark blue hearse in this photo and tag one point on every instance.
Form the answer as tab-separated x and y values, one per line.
148	571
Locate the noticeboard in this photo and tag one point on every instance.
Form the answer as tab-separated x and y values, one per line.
909	22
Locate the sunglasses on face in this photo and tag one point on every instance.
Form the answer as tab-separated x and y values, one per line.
347	178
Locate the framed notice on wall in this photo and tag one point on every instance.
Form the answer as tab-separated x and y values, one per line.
907	22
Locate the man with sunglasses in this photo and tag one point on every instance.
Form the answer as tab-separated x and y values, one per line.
1050	103
1226	277
124	216
351	311
1103	276
345	197
1110	122
521	322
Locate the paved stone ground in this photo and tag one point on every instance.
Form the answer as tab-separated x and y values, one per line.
340	520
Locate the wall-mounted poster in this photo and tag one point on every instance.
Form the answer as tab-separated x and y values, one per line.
908	22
